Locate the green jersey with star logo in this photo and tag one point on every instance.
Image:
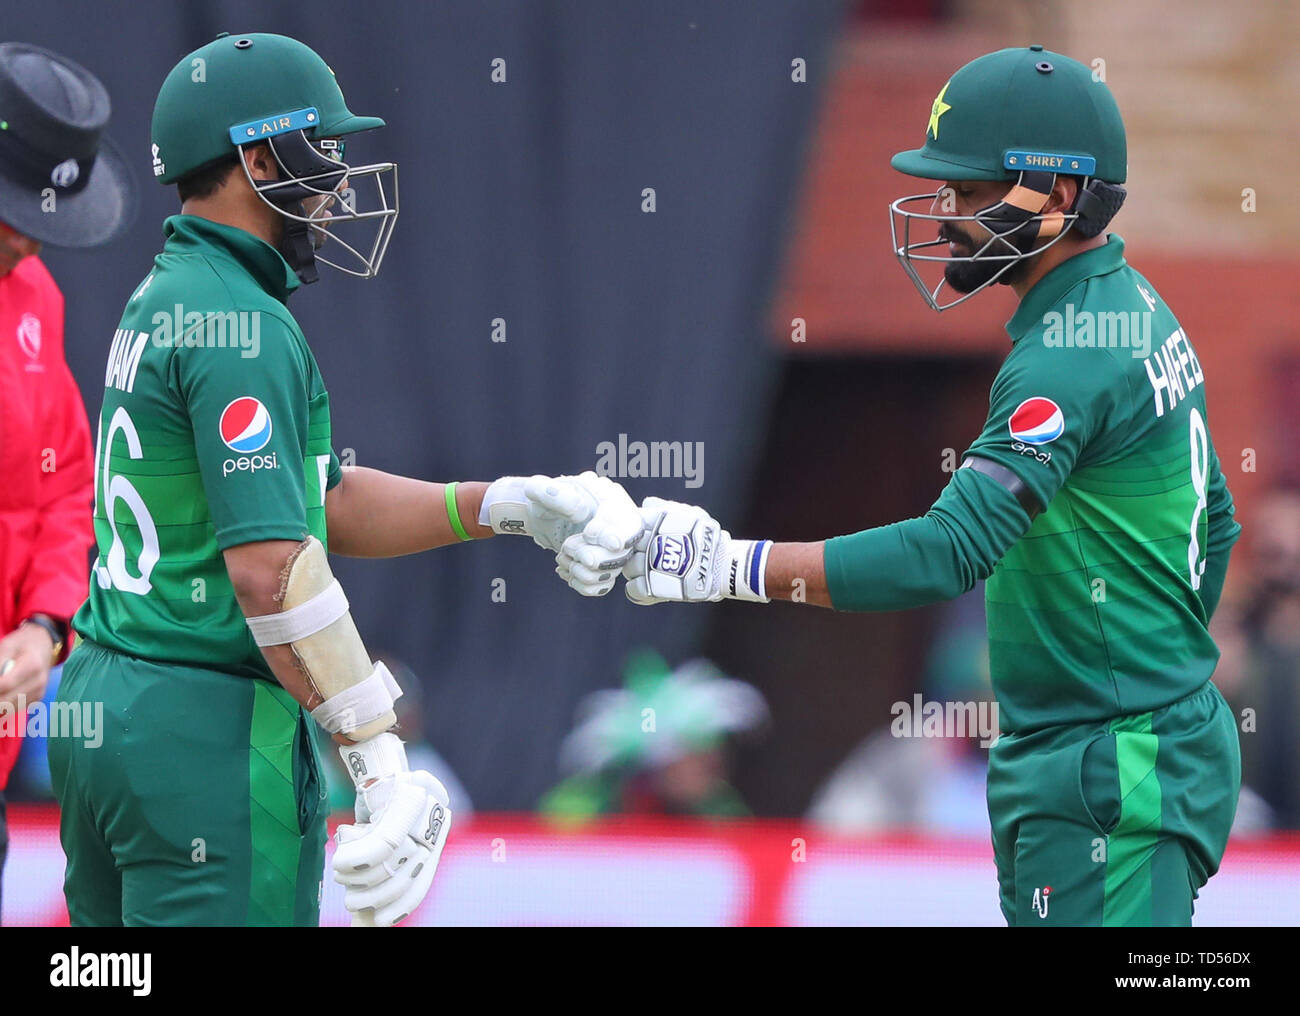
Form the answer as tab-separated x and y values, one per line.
1097	423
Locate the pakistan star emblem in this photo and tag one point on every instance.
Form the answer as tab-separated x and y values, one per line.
937	110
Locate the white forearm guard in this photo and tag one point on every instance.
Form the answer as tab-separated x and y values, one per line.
314	619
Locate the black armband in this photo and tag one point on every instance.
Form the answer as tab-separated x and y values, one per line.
1015	486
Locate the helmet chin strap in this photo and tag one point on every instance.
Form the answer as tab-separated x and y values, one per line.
296	247
1019	215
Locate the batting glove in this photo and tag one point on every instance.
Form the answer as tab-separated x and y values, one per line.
551	509
387	860
685	556
590	556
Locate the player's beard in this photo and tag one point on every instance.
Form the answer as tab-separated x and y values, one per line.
968	276
319	236
318	210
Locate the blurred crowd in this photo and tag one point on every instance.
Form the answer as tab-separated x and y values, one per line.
1258	631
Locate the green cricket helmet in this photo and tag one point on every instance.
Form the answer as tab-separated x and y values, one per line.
247	89
1022	115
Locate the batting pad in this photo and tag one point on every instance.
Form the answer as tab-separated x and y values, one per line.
315	620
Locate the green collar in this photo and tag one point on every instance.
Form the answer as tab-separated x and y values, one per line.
1049	290
190	233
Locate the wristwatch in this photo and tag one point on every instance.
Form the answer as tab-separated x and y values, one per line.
56	629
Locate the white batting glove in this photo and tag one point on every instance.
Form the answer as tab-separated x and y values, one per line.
594	547
685	556
387	860
590	561
550	509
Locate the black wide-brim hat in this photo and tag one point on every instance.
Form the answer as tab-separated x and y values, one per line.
62	181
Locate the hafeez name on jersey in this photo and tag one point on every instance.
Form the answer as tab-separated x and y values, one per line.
1173	371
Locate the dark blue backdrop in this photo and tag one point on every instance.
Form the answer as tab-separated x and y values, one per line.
520	201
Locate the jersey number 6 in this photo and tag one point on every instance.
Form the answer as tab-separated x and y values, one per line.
114	575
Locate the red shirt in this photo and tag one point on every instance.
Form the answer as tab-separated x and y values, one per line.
46	482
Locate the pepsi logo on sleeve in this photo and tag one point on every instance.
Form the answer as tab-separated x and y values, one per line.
245	425
1037	421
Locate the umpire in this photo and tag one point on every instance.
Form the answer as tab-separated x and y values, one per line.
61	183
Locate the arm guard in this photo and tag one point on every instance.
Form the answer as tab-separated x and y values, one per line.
314	619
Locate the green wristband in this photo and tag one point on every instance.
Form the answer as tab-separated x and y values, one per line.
453	513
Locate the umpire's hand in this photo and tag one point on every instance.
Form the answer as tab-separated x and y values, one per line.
26	655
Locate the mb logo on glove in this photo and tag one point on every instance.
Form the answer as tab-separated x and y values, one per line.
685	556
672	554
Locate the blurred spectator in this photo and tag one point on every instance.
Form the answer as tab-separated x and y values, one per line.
658	746
931	784
1260	639
420	753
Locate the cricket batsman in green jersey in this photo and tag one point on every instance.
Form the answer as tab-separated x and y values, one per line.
1092	502
215	632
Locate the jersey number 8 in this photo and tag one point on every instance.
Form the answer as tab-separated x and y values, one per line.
1200	456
